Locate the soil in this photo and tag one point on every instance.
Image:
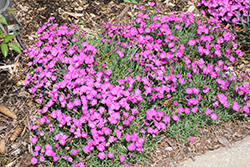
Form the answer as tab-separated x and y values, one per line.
92	13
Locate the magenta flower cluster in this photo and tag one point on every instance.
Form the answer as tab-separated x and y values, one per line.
227	10
88	115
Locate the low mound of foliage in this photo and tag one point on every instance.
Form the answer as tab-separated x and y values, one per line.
107	100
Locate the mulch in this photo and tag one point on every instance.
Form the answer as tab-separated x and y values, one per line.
33	14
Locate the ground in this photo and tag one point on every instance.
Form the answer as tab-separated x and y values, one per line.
90	14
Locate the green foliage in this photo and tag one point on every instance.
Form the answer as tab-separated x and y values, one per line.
14	47
3	20
7	38
132	1
244	36
4	49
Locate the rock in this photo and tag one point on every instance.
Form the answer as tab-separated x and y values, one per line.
31	38
168	148
92	15
191	9
247	71
24	8
224	141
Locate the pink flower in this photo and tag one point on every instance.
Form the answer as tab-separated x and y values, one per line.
213	116
81	164
122	158
166	119
187	110
175	117
70	159
236	107
108	72
33	140
182	81
131	147
42	159
129	70
110	155
134	137
101	155
176	103
208	111
37	148
34	160
189	91
203	12
120	53
191	139
189	75
150	130
73	151
48	152
51	18
171	44
55	158
152	4
127	137
194	109
177	27
191	42
70	105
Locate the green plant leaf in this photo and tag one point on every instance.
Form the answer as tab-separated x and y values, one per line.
134	1
8	38
3	20
4	49
15	47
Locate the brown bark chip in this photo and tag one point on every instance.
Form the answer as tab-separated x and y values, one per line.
2	146
7	112
18	130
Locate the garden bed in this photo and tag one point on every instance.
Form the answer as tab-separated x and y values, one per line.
169	151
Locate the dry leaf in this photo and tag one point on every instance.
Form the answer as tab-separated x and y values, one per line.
7	112
2	146
17	132
168	103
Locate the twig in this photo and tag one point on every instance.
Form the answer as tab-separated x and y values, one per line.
8	67
93	21
122	13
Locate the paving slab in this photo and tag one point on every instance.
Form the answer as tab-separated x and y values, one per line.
236	156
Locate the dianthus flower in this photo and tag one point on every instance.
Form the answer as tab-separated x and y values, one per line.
213	116
101	155
191	139
175	117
